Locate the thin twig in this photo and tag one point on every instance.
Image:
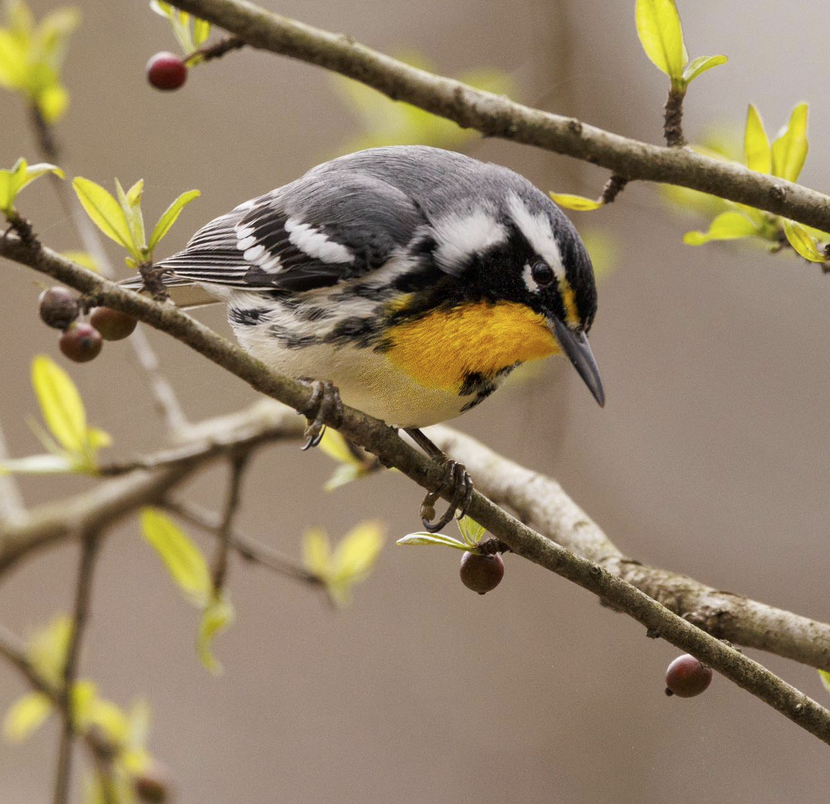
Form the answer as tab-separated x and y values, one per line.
248	548
498	116
83	592
216	50
239	462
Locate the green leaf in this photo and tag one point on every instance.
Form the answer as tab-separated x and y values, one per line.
472	532
727	226
105	212
21	174
130	204
183	559
201	31
576	202
13	61
789	151
757	152
800	239
61	404
357	552
46	649
700	65
433	539
169	217
216	618
161	8
53	101
25	716
316	552
825	679
661	35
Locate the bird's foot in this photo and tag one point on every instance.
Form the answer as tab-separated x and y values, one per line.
324	404
458	484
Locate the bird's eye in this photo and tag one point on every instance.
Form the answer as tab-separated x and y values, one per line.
542	274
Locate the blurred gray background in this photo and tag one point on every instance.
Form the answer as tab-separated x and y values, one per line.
710	457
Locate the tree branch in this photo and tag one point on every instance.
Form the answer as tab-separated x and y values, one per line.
110	501
541	503
384	442
83	592
498	116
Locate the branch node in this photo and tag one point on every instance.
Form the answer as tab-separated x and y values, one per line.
613	187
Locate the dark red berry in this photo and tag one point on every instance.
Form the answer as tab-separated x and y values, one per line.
166	71
687	677
481	573
112	324
153	785
81	342
58	307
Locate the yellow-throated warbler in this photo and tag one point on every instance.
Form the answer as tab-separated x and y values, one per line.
411	278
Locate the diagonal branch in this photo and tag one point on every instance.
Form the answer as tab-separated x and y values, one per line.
384	442
498	116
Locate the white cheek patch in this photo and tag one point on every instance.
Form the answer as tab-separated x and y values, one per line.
537	231
459	236
314	243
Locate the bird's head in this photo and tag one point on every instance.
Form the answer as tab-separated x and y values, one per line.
528	252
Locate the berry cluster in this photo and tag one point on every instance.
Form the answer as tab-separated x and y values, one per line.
80	341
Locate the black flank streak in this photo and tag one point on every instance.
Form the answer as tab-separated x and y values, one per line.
246	318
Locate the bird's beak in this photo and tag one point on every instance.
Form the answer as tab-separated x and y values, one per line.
575	345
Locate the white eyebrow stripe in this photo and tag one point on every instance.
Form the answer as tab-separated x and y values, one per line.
536	228
461	235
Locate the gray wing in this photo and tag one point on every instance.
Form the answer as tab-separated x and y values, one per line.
332	224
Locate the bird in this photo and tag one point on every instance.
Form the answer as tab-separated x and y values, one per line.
411	279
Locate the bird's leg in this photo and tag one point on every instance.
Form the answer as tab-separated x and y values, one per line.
456	482
324	404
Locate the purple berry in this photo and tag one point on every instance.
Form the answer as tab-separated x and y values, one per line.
81	342
481	573
58	307
687	677
112	324
166	71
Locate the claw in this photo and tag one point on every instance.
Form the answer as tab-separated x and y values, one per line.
323	404
459	484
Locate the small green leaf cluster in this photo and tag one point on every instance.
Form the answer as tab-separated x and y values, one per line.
188	568
388	122
71	443
352	465
32	54
784	158
471	535
126	731
14	180
121	219
190	32
339	568
661	35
